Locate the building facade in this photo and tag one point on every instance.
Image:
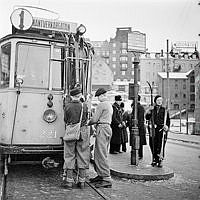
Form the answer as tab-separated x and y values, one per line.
102	75
197	99
181	89
120	61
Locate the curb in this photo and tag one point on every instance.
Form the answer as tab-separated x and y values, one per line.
143	174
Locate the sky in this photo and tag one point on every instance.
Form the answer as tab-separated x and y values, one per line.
175	20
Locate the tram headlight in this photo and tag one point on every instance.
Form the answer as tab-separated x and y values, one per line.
49	116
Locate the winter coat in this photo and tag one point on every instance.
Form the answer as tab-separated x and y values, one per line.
159	116
116	120
124	136
141	125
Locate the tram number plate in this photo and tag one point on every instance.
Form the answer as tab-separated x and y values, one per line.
49	133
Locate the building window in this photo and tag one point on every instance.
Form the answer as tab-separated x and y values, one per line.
113	59
192	79
176	86
114	73
176	95
184	86
114	51
123	58
121	88
124	45
176	106
114	66
124	67
107	61
192	88
114	45
123	51
192	106
123	73
192	97
184	96
132	73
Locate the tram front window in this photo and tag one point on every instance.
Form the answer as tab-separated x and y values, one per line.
5	65
33	65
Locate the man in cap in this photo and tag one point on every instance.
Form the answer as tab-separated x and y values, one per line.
76	152
161	122
102	118
117	126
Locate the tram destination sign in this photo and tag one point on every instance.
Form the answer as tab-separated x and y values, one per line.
137	42
54	25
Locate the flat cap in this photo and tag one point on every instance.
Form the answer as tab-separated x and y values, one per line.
118	98
100	91
75	91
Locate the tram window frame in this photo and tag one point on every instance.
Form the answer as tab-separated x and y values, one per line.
46	73
59	72
5	65
23	75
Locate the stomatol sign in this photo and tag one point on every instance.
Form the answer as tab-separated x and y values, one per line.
185	46
54	25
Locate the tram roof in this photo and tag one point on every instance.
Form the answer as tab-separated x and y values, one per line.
37	36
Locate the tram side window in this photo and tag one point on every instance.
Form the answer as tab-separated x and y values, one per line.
33	65
57	70
5	65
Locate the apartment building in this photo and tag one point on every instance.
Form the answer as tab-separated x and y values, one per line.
197	99
181	89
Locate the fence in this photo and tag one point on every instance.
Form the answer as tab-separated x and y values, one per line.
182	121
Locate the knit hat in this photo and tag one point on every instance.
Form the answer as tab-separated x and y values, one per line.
100	91
156	97
75	91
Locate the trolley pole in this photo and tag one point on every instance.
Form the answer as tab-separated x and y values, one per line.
134	134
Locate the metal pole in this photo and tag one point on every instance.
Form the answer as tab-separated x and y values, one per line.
168	88
180	120
134	135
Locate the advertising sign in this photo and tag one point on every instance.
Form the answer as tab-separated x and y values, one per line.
184	46
137	42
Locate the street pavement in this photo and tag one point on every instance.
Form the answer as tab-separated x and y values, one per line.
120	164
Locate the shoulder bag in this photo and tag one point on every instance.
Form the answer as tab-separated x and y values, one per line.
72	131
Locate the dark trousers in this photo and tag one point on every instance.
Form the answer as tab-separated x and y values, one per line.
140	151
156	144
124	147
114	148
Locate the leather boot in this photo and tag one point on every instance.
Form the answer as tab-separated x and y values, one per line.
68	181
81	178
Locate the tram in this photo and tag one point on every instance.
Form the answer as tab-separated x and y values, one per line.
39	63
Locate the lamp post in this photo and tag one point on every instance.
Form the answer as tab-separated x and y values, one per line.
134	134
168	88
136	45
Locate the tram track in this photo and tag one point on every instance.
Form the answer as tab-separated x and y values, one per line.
21	182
